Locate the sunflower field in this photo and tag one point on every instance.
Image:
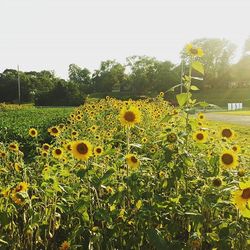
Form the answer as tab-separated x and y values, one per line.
128	175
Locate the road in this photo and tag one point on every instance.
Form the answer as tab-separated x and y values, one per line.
236	119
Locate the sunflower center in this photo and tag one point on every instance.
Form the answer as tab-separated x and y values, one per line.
58	151
200	136
246	193
226	133
129	116
54	130
45	147
194	51
98	150
217	182
82	148
33	132
234	148
133	159
227	159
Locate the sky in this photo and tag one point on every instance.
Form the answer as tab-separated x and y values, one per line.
51	34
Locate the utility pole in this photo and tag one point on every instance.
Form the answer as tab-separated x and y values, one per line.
18	85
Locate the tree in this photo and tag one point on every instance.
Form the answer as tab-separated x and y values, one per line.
109	74
216	60
79	75
143	73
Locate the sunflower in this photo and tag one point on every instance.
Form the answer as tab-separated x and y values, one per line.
171	137
14	147
44	153
6	192
68	146
132	161
74	134
194	51
17	166
21	187
58	153
236	148
201	117
200	136
229	159
54	131
98	151
227	133
45	146
241	198
129	117
33	132
144	140
81	150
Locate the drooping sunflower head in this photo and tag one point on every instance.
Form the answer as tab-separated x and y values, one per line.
58	153
229	159
81	149
33	132
98	151
130	116
227	133
194	51
132	161
200	136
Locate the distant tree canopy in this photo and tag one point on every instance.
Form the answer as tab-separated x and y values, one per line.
218	54
140	75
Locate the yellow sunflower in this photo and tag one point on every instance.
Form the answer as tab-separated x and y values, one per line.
54	131
194	51
229	159
13	146
227	133
21	187
45	146
200	136
58	153
81	150
132	161
98	151
236	148
241	198
130	117
201	117
33	132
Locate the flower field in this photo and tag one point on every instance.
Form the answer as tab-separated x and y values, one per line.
127	175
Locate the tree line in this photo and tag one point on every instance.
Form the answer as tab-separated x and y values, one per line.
140	75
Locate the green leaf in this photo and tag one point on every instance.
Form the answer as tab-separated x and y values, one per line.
193	87
85	216
182	99
156	239
203	104
198	67
166	118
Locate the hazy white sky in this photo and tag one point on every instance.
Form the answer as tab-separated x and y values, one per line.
51	34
